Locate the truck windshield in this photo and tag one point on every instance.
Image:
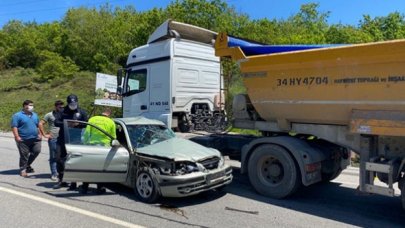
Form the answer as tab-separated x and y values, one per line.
145	135
135	82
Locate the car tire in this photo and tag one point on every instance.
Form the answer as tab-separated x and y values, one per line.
146	188
273	172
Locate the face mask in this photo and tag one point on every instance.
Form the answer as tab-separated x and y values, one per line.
73	106
30	108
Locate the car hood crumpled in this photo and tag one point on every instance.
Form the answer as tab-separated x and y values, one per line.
179	149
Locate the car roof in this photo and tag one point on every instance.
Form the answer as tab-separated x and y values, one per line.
139	120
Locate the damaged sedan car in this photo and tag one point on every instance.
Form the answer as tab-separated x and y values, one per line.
147	156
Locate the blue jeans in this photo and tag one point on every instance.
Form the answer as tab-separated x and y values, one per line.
52	156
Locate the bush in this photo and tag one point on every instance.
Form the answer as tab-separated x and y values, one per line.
53	66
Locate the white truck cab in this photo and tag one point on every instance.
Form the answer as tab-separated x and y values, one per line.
174	78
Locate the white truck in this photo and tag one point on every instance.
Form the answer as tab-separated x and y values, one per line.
174	79
312	104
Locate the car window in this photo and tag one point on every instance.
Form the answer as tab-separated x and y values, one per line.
86	134
145	135
121	135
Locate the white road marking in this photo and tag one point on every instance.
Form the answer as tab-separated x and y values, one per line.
71	208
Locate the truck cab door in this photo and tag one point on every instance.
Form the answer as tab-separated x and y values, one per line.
136	92
89	161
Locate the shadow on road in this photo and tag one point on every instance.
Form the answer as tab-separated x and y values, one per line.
10	172
332	201
127	192
31	175
170	202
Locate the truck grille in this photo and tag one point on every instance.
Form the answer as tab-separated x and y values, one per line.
210	163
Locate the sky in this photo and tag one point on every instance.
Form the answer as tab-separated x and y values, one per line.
341	11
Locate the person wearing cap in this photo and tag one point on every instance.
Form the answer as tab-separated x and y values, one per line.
52	136
71	111
24	125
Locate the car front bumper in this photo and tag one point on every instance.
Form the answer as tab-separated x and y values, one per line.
194	183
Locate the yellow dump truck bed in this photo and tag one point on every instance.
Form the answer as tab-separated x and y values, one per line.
324	85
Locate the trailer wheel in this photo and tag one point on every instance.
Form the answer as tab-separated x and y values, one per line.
273	172
146	188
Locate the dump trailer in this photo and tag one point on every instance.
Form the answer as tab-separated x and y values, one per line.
314	104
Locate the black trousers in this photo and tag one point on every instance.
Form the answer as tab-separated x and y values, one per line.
60	158
29	150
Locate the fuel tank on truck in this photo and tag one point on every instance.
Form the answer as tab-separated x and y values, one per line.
321	84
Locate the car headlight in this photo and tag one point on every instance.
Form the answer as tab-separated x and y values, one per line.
186	167
165	170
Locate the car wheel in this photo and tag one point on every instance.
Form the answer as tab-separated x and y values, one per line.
146	187
273	172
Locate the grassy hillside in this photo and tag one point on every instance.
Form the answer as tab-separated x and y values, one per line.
19	84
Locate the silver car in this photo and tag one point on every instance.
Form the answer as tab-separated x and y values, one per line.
147	156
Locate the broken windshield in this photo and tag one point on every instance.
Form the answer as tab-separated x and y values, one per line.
145	135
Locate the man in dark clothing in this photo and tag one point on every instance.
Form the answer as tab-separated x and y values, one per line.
70	112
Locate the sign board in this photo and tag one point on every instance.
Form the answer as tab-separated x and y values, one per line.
106	91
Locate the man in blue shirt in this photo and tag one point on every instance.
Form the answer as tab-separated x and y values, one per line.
24	125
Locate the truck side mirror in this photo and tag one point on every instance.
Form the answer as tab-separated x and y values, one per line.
119	77
119	81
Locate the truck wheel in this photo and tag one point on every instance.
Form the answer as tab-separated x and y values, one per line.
146	187
273	172
183	124
326	177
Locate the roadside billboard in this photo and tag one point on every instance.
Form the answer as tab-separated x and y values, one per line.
106	91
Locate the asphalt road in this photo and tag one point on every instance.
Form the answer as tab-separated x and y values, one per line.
31	202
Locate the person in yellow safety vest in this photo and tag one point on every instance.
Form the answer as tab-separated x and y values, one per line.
93	136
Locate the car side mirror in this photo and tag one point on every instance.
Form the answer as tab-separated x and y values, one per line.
115	143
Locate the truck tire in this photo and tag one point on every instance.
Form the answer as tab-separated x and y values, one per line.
146	189
327	177
183	124
273	172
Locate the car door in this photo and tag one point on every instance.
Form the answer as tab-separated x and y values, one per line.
94	162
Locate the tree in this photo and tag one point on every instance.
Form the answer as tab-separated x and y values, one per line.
53	66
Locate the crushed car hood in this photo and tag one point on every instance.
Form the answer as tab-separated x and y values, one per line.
179	149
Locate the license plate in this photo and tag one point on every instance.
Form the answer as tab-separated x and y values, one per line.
214	176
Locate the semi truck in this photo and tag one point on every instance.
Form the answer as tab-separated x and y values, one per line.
175	79
313	105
